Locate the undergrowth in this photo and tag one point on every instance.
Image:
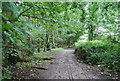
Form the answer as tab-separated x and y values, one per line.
98	52
26	62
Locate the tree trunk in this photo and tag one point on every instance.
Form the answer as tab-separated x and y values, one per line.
47	40
53	40
38	45
90	33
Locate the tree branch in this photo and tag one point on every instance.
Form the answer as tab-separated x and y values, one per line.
25	11
33	17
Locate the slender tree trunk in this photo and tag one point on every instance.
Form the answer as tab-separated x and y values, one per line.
47	40
44	45
56	38
90	33
39	43
53	39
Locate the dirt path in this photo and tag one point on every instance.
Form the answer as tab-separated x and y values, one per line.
66	66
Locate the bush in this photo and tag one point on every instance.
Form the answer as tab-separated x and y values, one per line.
6	72
99	52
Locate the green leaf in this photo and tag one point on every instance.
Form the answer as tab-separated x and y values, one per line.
6	27
28	32
6	33
29	25
19	42
23	19
12	39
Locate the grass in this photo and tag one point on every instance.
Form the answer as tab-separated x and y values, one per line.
57	49
40	57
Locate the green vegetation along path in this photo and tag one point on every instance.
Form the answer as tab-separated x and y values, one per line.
66	66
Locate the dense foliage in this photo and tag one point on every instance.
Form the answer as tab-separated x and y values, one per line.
99	52
31	27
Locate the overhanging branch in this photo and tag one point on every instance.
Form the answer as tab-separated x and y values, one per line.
25	11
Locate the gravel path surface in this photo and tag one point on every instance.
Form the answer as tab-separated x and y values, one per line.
66	66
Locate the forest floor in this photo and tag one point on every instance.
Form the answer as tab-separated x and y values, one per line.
64	66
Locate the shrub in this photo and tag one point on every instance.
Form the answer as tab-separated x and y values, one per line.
99	52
